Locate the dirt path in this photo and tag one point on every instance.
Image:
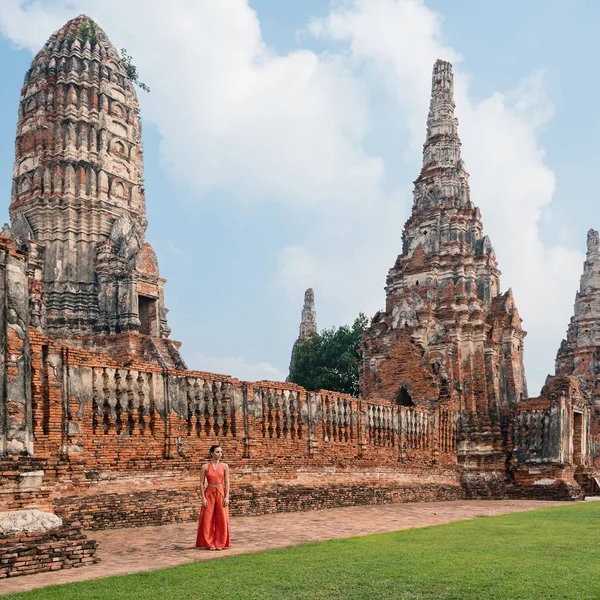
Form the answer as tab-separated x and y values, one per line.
124	551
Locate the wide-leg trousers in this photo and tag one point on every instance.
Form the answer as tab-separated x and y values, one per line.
213	525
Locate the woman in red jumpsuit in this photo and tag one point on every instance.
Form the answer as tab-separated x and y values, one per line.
213	526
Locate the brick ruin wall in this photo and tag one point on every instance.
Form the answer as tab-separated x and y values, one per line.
551	438
124	446
101	422
112	441
29	553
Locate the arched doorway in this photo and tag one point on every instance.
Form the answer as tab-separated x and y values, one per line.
404	396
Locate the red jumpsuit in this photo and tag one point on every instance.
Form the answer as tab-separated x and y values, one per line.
213	526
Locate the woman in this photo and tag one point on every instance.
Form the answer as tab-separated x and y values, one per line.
213	526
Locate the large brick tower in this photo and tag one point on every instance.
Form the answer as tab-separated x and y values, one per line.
447	335
78	191
579	353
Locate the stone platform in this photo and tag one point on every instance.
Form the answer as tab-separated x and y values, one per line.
123	551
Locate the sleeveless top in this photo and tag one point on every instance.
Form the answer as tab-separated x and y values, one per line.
215	476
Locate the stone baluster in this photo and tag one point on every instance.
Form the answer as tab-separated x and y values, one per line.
302	414
208	408
277	410
119	379
292	412
107	417
191	405
286	417
142	391
339	416
269	417
97	399
132	403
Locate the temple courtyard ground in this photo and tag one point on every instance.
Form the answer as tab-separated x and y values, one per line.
124	551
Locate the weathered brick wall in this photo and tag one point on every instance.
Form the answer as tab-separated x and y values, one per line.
105	415
561	490
28	553
550	440
15	416
176	504
120	445
395	363
119	439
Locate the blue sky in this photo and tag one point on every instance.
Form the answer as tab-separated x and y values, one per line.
281	140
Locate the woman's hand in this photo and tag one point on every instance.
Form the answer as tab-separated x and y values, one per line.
226	501
205	502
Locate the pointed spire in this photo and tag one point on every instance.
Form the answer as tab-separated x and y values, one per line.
441	120
590	278
593	243
443	177
574	356
308	323
76	35
442	144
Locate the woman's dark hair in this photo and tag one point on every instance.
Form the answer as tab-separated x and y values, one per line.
213	448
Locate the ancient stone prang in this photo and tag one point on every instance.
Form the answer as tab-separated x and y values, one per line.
447	336
78	190
101	423
308	323
579	354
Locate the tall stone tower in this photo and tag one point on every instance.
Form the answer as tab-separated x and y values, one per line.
579	353
308	323
78	189
447	336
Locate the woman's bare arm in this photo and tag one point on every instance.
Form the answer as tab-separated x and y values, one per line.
202	476
226	499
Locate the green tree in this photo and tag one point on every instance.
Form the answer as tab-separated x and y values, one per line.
329	360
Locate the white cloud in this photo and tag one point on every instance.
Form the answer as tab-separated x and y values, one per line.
28	24
295	130
400	40
236	366
233	115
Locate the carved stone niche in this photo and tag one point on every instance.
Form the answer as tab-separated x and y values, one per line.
127	237
404	396
148	312
405	314
149	291
21	230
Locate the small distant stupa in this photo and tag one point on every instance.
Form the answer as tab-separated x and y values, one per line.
308	323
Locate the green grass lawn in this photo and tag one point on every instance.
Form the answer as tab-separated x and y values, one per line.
545	554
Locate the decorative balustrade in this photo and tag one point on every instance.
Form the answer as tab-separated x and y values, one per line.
123	401
336	418
210	411
381	424
185	407
281	414
531	431
447	431
416	428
